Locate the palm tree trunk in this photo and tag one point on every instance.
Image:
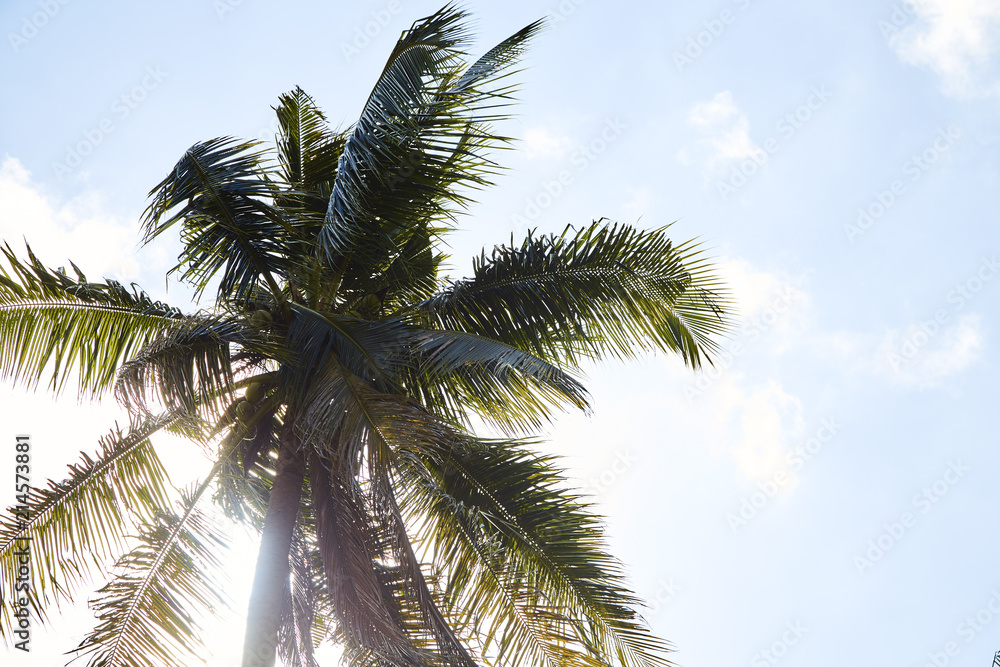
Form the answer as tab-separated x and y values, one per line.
271	577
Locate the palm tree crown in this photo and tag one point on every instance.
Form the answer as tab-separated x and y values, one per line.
336	380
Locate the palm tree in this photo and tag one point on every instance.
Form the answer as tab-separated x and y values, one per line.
336	380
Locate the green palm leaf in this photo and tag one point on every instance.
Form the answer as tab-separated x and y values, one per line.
308	153
307	149
421	133
604	289
147	613
461	374
387	138
469	375
76	525
409	278
228	225
52	323
189	365
365	348
525	556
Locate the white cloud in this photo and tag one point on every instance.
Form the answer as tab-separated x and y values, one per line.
771	309
77	230
770	419
542	142
924	356
957	39
754	425
728	135
757	421
717	112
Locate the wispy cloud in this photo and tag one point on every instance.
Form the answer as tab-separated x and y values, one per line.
924	358
924	355
759	421
727	131
545	142
957	39
754	290
79	229
770	418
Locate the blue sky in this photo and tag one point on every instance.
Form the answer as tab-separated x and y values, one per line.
827	493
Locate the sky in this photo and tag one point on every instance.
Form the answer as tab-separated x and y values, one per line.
826	493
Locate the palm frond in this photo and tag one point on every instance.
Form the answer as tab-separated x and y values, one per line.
76	525
358	577
381	599
307	149
495	64
464	374
148	612
306	616
604	289
425	621
70	327
422	132
344	416
386	137
410	277
228	225
242	495
457	374
367	349
308	152
524	557
190	365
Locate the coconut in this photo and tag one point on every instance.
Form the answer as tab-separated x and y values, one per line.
255	392
261	319
244	411
370	304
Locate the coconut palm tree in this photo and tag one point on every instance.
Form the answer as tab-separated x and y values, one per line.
336	381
